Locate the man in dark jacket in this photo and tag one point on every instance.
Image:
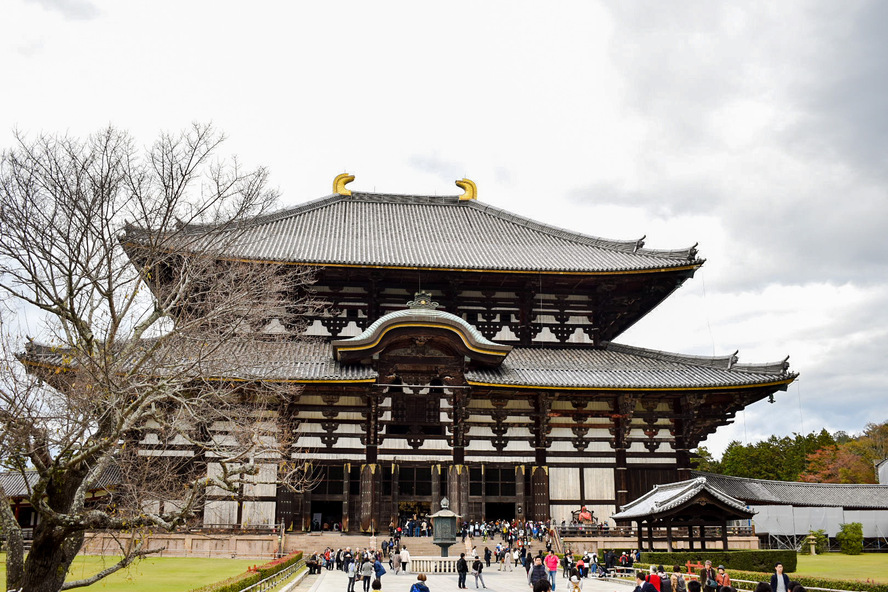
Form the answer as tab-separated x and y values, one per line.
779	580
462	570
641	584
538	572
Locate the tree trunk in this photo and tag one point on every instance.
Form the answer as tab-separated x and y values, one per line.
49	559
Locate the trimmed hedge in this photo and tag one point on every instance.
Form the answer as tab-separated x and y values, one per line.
247	579
754	561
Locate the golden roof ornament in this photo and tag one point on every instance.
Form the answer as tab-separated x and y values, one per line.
471	190
340	182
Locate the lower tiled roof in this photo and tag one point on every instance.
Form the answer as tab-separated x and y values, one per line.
15	485
761	491
614	367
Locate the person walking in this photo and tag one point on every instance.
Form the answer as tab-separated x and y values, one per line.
551	562
405	559
707	578
396	562
537	573
351	573
477	567
420	584
722	578
462	570
367	574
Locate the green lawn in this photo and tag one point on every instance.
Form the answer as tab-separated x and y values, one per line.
155	574
845	567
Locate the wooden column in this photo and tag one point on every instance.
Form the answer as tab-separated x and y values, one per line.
371	492
690	537
458	486
651	536
724	533
436	488
639	527
669	536
703	536
394	507
539	477
520	494
346	490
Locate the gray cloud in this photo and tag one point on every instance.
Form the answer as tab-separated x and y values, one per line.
71	9
813	187
432	163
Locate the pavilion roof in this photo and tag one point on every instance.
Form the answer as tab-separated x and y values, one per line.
413	231
668	498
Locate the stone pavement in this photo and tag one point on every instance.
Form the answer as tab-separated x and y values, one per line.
514	581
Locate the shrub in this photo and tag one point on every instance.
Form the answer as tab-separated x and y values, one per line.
759	560
850	538
811	581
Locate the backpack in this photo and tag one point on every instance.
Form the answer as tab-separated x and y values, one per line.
680	585
665	584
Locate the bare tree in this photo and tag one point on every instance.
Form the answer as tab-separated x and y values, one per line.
151	335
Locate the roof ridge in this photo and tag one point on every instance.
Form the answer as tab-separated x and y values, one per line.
793	483
727	362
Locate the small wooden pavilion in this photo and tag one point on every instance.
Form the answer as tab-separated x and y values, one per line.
684	510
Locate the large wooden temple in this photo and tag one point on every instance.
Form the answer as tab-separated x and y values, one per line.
469	354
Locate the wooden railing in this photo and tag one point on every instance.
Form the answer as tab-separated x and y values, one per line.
594	530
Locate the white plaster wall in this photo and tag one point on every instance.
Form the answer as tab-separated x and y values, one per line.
564	483
263	484
220	512
599	483
258	513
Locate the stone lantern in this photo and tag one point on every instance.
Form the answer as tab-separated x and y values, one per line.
444	523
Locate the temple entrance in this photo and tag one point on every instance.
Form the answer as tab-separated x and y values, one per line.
325	514
499	511
407	510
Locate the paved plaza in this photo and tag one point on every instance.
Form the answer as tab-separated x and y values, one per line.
335	581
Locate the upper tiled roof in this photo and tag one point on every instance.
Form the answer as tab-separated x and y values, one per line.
366	229
663	498
617	366
761	491
622	366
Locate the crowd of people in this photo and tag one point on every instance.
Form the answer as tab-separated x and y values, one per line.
710	580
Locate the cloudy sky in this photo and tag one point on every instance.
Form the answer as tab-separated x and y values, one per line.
758	129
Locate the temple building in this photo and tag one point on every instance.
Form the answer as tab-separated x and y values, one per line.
469	352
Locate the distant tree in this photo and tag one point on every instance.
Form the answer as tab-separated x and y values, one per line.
777	458
705	461
838	464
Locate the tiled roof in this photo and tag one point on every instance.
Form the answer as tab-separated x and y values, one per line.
617	366
15	486
663	498
761	491
621	366
366	229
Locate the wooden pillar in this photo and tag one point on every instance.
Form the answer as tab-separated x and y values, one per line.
458	486
690	537
650	535
638	526
371	492
346	490
394	507
436	488
539	484
724	533
669	536
703	536
539	477
520	494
